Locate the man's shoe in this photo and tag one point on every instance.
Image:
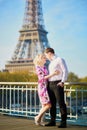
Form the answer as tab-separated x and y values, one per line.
50	124
62	125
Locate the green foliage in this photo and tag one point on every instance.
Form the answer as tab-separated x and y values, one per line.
32	77
73	77
17	77
83	79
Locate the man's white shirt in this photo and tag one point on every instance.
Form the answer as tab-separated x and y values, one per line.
59	64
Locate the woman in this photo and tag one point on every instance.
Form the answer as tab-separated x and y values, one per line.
43	75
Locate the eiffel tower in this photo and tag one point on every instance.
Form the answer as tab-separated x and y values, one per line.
32	40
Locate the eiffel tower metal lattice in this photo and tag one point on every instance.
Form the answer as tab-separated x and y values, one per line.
33	37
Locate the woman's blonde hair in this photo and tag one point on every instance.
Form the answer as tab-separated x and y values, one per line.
38	60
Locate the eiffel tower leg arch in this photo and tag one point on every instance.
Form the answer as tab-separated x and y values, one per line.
32	40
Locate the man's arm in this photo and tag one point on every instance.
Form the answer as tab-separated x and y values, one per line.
64	71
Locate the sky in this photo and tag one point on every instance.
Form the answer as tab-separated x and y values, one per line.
65	21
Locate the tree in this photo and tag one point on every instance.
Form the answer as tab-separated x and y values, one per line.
73	77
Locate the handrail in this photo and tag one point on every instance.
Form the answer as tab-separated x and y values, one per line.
24	83
21	99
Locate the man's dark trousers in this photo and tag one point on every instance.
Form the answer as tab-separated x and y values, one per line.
56	94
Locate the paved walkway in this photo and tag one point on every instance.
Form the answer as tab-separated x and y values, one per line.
15	123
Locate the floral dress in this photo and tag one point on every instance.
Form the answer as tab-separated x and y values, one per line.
42	85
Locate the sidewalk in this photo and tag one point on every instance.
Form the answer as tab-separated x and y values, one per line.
16	123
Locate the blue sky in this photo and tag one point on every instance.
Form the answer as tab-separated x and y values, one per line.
65	21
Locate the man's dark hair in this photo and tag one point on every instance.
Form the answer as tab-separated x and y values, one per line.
47	50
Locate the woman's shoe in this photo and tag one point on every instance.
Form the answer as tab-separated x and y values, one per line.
42	123
37	122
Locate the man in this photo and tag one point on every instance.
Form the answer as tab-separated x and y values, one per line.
56	87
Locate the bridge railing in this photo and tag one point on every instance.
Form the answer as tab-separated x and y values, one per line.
21	99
